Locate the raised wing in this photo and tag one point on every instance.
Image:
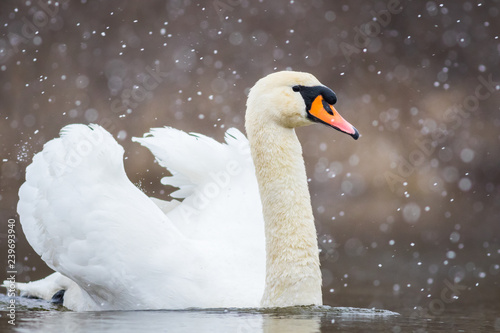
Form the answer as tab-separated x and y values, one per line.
87	221
84	217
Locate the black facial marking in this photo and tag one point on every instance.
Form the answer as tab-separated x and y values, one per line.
309	94
327	107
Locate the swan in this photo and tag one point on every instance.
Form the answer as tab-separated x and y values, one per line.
243	234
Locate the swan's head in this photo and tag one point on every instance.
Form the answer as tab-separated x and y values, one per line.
294	99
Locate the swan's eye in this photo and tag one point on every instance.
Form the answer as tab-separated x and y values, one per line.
296	88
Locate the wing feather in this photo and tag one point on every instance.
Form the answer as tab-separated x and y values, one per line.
85	218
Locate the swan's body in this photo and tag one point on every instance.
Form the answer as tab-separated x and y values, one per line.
243	236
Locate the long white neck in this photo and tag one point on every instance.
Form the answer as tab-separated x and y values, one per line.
293	276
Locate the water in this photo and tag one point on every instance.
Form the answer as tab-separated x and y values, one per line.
41	316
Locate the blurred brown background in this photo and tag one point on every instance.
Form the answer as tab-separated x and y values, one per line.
406	215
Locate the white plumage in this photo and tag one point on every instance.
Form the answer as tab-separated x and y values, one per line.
85	218
243	235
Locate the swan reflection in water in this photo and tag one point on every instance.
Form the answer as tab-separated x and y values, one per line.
292	320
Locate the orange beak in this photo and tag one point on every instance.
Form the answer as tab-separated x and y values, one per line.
325	113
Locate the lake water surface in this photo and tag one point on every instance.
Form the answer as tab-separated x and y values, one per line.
41	316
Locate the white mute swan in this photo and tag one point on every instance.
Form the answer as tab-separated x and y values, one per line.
243	236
